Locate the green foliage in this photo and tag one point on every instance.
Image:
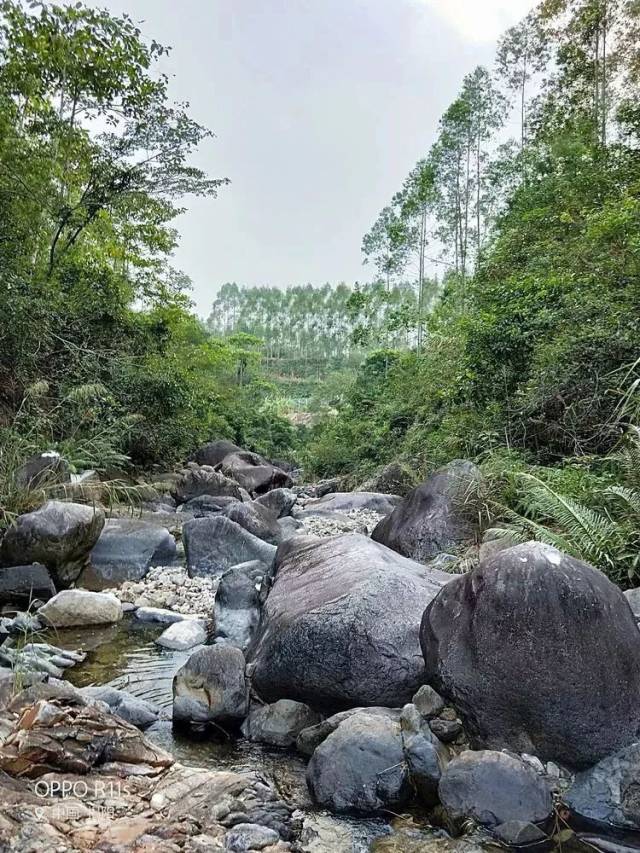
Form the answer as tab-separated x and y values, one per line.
100	357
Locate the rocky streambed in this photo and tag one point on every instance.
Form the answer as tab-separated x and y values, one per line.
250	664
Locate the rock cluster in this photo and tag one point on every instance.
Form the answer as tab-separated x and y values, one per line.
170	588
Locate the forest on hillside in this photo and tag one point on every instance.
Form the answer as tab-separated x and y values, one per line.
500	323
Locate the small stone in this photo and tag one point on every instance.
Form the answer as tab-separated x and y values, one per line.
428	702
445	730
249	836
517	833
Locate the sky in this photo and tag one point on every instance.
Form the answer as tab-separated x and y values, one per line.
320	109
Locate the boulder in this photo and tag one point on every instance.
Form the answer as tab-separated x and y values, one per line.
360	767
237	604
213	545
346	501
211	688
256	519
183	635
424	754
23	584
60	535
607	794
340	624
214	452
310	738
439	515
289	527
492	788
42	469
278	724
205	505
279	501
197	481
134	710
126	550
327	487
73	607
254	473
488	639
392	479
633	597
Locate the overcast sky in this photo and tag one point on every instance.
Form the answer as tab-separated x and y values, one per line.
320	108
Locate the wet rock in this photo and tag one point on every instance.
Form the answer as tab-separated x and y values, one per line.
345	501
256	519
428	702
492	788
126	550
312	737
439	515
197	481
392	479
213	545
134	710
214	452
278	724
237	605
542	605
211	687
183	635
44	658
254	473
79	607
608	793
60	535
23	584
249	836
340	624
279	501
360	767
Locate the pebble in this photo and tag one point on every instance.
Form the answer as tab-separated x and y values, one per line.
169	588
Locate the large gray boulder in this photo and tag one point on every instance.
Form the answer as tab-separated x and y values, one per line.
126	550
43	469
196	481
213	545
279	501
60	535
254	473
492	788
311	737
607	794
214	452
205	505
211	688
440	515
256	519
394	479
237	603
540	653
340	624
278	724
360	767
23	584
346	501
74	607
